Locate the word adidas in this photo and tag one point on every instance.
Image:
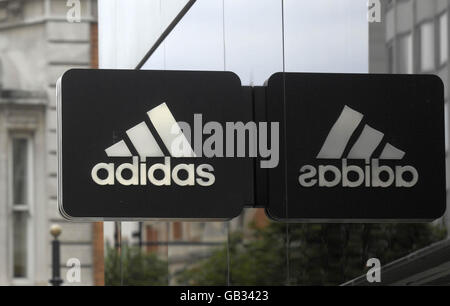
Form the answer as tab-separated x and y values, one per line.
373	175
181	174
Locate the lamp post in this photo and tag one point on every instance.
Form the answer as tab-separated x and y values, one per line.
55	231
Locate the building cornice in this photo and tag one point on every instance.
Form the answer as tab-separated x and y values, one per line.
22	97
42	20
12	14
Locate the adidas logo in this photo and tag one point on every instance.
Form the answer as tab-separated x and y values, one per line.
146	146
372	174
241	140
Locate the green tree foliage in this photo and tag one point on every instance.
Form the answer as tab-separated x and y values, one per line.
133	267
319	254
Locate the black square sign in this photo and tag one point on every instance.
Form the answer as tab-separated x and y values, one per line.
357	147
117	158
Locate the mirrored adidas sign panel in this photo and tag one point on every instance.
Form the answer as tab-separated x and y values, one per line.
150	145
357	147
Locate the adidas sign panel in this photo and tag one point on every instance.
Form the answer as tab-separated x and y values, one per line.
357	147
117	161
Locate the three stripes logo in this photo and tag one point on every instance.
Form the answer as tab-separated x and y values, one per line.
146	145
372	174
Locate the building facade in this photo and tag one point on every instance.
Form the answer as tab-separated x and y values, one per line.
413	37
37	44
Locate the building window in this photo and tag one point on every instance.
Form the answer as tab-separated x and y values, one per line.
427	46
152	238
405	58
21	200
390	55
446	116
443	39
177	230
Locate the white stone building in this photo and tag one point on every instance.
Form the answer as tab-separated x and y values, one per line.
37	44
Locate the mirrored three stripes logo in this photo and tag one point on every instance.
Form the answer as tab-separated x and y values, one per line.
145	143
369	139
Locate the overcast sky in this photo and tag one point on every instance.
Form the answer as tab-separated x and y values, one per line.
320	36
